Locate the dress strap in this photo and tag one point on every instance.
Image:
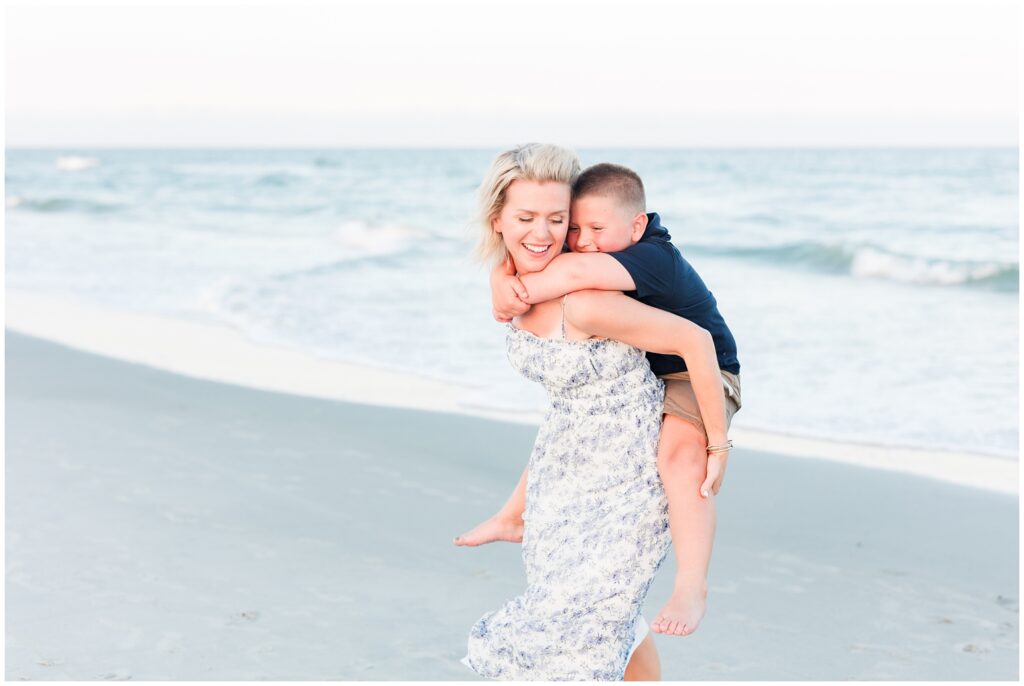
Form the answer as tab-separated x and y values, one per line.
563	315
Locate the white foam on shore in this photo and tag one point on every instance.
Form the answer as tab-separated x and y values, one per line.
220	353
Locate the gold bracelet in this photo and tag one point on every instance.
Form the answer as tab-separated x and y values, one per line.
724	448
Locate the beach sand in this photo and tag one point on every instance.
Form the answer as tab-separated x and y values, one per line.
165	527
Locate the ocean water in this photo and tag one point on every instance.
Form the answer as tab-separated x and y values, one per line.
873	293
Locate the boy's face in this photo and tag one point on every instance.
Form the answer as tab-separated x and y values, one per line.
599	223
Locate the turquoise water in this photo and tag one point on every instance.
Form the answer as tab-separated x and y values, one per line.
873	293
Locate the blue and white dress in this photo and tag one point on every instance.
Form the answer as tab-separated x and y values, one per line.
596	518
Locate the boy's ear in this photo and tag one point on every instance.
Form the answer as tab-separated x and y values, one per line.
639	225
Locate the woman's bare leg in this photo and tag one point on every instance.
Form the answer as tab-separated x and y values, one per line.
644	664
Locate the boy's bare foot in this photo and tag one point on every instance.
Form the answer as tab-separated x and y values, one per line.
683	611
497	528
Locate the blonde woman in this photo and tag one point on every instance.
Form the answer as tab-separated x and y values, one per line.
596	527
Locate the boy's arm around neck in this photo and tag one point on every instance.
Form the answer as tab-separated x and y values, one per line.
574	271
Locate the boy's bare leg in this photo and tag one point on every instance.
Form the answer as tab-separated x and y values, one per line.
644	664
506	525
682	463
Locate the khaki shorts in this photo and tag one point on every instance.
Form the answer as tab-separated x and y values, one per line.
681	402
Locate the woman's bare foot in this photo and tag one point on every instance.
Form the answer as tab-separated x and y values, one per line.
497	528
683	611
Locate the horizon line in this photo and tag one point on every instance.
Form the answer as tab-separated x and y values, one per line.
603	146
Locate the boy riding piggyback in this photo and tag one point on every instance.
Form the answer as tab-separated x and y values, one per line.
616	245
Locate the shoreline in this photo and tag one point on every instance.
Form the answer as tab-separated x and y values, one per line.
219	353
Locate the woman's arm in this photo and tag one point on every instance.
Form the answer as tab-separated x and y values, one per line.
613	315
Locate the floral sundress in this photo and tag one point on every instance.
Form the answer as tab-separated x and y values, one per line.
596	517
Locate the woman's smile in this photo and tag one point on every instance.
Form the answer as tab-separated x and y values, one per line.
533	222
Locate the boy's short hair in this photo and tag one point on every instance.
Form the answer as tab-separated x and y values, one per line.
605	178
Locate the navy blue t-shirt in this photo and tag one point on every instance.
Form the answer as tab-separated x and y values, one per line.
664	279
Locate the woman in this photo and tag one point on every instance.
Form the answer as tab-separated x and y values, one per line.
596	520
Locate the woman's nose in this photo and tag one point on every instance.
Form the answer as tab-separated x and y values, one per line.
544	229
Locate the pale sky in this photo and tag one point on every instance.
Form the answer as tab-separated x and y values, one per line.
719	73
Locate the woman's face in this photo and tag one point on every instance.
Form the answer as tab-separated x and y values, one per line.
533	222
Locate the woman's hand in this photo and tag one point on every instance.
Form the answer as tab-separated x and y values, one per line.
508	294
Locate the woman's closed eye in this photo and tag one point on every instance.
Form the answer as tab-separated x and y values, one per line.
556	220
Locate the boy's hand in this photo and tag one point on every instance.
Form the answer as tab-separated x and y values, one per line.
716	472
507	295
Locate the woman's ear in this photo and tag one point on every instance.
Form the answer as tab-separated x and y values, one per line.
639	226
495	224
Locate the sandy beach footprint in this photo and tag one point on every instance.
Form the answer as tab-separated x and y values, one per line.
116	675
170	642
1008	603
978	646
482	573
243	617
880	649
723	667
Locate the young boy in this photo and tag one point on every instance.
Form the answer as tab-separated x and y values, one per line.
617	245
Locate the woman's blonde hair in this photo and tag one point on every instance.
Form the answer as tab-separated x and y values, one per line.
530	162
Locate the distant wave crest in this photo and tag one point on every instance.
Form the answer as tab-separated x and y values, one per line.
326	162
61	204
278	179
76	163
355	242
868	261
